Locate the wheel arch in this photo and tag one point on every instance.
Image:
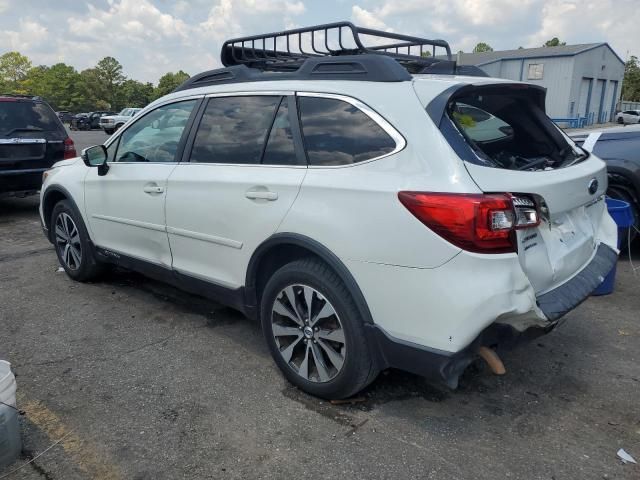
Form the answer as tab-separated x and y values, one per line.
282	248
53	195
620	176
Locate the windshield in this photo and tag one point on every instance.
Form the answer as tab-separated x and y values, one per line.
124	112
26	116
508	129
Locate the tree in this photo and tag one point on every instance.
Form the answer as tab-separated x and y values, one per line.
108	73
13	69
91	88
58	85
554	42
169	81
631	81
135	94
482	47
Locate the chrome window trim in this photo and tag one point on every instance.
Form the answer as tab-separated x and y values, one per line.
395	135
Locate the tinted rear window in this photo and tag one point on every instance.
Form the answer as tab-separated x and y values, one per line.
338	133
27	115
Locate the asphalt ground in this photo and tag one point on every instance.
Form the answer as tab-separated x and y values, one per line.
142	381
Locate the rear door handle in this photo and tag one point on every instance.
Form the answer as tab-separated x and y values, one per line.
261	195
153	188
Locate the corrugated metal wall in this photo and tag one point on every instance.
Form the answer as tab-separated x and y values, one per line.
605	71
556	78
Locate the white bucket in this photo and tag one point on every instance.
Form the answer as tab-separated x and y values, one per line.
7	384
10	443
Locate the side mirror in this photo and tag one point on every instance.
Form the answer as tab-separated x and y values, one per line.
96	156
155	124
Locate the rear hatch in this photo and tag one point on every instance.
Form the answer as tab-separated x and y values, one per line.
31	136
508	144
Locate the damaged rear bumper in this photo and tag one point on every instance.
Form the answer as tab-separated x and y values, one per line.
566	297
441	366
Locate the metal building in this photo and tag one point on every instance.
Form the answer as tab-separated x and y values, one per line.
583	82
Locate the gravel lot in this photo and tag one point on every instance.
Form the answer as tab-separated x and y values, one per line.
142	381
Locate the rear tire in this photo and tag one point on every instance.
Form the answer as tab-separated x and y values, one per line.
314	330
72	243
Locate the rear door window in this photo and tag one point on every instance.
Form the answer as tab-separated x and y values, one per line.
280	149
234	129
339	133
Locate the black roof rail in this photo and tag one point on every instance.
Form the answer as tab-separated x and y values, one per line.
370	68
287	50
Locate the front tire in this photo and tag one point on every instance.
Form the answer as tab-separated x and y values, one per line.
72	243
314	330
108	131
620	121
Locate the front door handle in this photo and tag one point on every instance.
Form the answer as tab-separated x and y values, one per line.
153	188
261	195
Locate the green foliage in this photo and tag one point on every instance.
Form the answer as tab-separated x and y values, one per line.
554	42
631	82
482	47
103	87
135	94
169	81
13	69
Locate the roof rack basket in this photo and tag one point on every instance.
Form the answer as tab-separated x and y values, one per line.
285	51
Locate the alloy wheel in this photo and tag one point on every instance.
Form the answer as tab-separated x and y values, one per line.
308	333
68	241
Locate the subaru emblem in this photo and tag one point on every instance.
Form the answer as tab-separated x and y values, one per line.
593	186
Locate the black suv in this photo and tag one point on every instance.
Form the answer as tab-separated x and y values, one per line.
88	121
32	138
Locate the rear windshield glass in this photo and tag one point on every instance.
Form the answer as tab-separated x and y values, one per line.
508	129
19	116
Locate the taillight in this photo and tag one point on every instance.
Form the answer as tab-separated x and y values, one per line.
69	149
481	223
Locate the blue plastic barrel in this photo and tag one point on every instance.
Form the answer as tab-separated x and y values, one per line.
621	213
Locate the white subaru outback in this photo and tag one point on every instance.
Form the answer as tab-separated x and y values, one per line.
370	206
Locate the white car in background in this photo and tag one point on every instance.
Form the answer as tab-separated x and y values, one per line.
628	116
111	123
349	208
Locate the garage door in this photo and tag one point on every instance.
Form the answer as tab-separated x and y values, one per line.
585	93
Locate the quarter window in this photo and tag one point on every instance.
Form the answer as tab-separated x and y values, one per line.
155	137
338	133
234	129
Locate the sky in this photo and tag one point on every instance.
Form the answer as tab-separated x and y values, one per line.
152	37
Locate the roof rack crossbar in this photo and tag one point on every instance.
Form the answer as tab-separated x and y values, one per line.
281	51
